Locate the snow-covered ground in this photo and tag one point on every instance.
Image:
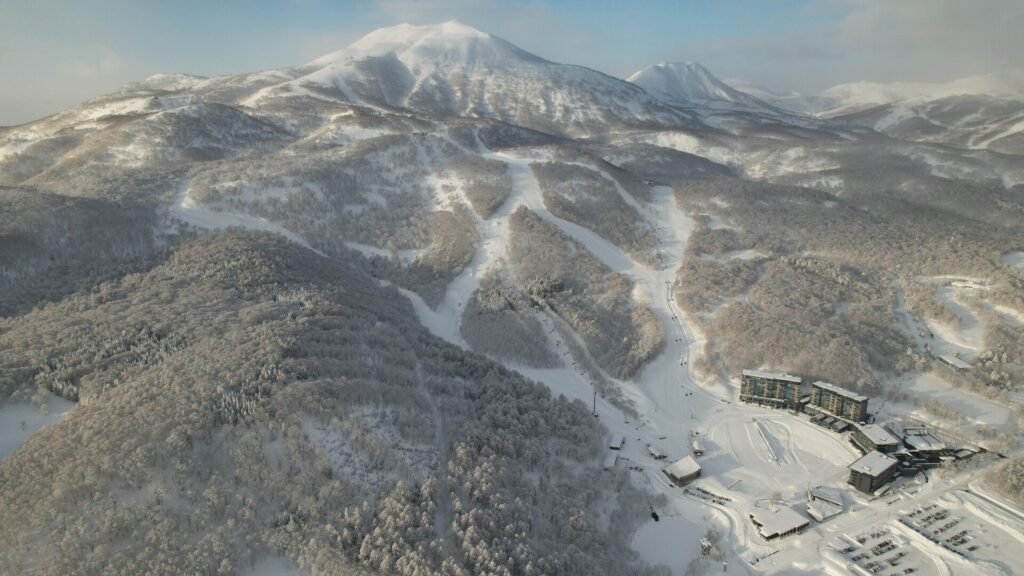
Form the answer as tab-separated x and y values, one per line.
747	254
978	408
275	566
1014	260
960	342
19	420
675	540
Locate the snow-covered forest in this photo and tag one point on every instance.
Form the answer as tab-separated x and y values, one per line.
382	313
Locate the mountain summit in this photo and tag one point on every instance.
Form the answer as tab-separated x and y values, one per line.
454	69
435	45
689	82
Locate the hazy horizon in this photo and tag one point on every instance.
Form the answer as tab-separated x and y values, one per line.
59	53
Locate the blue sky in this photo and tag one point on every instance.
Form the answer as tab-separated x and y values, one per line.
54	53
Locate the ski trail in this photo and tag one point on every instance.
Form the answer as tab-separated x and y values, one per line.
187	210
443	514
444	320
664	390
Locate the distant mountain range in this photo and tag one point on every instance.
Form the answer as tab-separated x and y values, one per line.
985	111
977	112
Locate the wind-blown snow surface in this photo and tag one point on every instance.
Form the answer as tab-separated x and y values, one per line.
853	96
981	112
691	87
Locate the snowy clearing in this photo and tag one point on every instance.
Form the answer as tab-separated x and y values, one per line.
187	210
275	566
19	420
1014	260
978	408
966	339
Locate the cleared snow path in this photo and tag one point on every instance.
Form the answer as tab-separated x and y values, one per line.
187	210
663	393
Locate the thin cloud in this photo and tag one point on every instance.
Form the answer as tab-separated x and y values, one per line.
106	63
874	40
530	25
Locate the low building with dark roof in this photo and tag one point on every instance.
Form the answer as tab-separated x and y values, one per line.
872	437
872	471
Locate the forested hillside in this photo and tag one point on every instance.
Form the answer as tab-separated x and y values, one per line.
246	398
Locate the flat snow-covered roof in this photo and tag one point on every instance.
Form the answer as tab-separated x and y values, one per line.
821	510
924	442
779	521
840	390
878	435
828	493
874	463
610	460
683	467
617	441
773	376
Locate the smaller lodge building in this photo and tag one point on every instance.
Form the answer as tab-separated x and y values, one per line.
682	471
872	471
776	523
872	437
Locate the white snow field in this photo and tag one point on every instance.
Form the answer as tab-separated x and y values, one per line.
964	340
978	408
19	420
1014	260
275	566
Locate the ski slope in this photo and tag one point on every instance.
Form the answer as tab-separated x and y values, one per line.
669	403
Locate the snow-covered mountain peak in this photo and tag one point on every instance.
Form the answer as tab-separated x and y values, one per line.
455	69
436	45
402	36
688	82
